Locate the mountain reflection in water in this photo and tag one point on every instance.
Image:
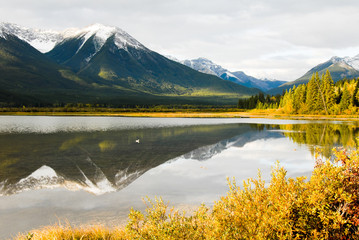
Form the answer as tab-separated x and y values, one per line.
107	161
100	161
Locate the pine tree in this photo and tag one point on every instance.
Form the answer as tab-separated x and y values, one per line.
321	105
356	94
346	98
328	90
287	102
295	102
312	94
299	97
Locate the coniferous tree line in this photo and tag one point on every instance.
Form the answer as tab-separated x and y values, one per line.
260	101
319	96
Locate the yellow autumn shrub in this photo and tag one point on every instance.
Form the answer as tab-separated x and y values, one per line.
326	206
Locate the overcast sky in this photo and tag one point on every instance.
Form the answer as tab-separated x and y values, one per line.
279	39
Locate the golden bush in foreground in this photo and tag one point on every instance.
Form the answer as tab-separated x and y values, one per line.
325	207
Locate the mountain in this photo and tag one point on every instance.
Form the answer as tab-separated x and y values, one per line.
28	76
339	68
207	66
100	64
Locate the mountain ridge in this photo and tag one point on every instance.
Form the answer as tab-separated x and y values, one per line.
239	77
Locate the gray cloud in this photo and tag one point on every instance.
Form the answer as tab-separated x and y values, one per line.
279	38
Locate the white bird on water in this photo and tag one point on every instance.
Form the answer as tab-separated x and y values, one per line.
137	140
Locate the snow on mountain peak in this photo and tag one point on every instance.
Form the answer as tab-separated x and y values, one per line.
204	65
353	61
41	173
336	59
346	62
42	40
101	33
4	29
203	60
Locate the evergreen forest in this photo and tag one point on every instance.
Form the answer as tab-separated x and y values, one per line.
319	96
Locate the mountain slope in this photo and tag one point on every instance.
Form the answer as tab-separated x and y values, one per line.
207	66
26	75
339	68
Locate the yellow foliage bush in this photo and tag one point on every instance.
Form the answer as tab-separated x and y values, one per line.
324	207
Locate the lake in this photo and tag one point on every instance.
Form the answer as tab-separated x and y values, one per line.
87	170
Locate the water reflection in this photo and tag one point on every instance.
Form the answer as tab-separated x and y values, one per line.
325	135
98	162
107	161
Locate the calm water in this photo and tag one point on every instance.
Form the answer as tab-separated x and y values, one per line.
93	169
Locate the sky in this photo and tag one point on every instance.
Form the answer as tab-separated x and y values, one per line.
278	39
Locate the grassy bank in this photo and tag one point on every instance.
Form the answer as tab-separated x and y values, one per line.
171	113
324	207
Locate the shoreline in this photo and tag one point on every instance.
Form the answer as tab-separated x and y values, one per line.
191	114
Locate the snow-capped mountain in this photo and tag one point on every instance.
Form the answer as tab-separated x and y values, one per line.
86	42
102	32
42	40
99	34
207	66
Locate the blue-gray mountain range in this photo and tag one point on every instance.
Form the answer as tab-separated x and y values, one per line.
239	77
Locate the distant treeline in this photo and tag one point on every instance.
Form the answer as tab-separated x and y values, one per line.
319	96
99	108
260	101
